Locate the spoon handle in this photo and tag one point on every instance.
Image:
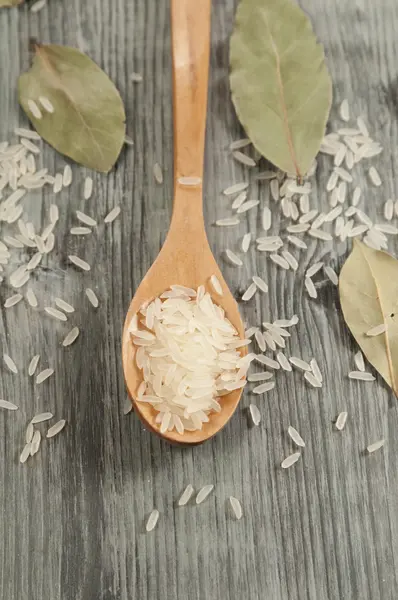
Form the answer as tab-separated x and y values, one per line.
190	26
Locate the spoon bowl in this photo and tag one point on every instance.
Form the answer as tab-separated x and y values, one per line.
186	258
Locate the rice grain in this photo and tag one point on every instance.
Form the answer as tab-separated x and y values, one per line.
55	429
152	520
255	414
296	437
43	375
290	460
203	493
236	507
186	495
92	297
341	420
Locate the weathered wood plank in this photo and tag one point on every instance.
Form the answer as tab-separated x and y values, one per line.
72	519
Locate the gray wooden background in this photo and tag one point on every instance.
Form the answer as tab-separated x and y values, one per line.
72	520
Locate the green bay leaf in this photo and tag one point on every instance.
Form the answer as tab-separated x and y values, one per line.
88	121
280	85
368	287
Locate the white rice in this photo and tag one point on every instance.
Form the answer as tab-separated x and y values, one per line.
57	314
265	387
260	340
362	375
296	437
88	188
43	375
34	109
374	176
386	228
33	365
297	242
39	418
8	405
152	520
228	222
310	287
332	182
136	77
316	370
314	269
249	293
203	493
274	187
186	495
356	196
25	453
235	260
237	144
333	214
35	443
359	361
340	155
378	330
216	285
300	228
31	298
255	414
67	176
30	146
236	507
244	159
91	295
239	200
86	219
375	446
246	242
283	361
158	173
55	429
343	174
310	377
279	260
331	274
290	460
290	259
266	218
389	209
299	363
80	230
112	215
236	188
260	283
37	6
268	362
10	363
13	300
58	183
189	181
341	420
320	234
264	376
27	133
345	110
71	337
78	262
29	433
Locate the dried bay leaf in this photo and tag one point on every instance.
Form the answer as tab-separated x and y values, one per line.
8	3
88	121
368	287
280	85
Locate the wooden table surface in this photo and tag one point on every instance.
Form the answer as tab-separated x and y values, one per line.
72	523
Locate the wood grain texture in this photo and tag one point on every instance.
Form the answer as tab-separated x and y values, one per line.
72	519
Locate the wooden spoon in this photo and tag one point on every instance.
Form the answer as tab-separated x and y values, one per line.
185	258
